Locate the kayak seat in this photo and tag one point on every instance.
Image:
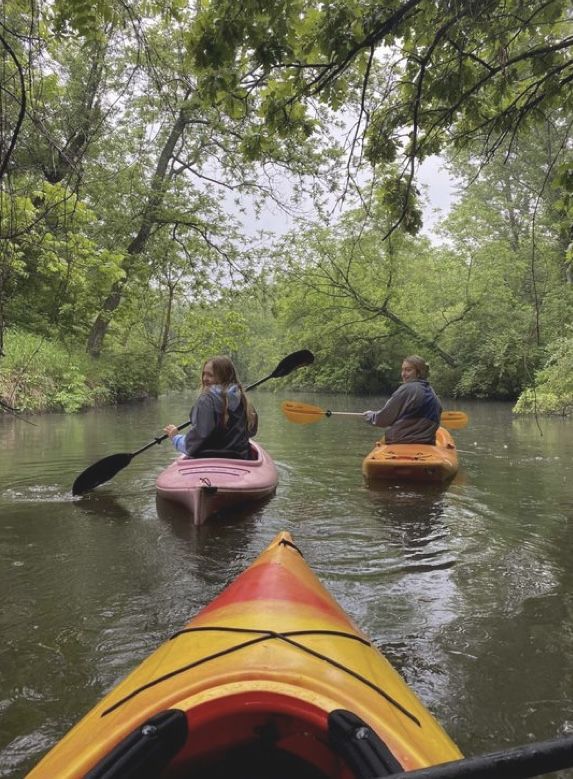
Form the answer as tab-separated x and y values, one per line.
146	751
214	453
257	735
259	761
362	749
176	745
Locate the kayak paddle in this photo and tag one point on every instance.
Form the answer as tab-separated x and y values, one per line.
105	469
306	414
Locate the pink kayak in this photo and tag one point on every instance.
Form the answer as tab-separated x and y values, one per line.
210	485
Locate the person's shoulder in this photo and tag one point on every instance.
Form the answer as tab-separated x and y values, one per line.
409	389
205	400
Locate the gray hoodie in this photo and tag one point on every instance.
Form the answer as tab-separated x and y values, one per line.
208	435
411	415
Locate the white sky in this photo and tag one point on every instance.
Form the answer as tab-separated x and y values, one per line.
440	191
432	178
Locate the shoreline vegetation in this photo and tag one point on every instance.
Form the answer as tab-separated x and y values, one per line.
40	376
251	184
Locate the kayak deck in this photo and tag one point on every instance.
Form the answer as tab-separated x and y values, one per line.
413	462
207	486
272	678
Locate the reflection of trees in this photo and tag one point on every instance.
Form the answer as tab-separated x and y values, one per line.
510	650
511	673
414	515
203	539
418	596
104	505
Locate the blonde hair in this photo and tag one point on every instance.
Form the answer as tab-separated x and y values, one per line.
421	366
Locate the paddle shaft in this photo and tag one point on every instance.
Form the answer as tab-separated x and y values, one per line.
161	438
106	469
307	413
520	762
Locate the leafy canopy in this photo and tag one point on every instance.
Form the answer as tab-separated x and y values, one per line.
423	73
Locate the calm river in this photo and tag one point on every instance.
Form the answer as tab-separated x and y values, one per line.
468	590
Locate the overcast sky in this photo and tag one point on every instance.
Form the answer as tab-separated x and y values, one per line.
438	186
440	190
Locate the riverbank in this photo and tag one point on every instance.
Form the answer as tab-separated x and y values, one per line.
39	375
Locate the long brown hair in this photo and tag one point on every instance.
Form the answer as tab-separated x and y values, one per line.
226	374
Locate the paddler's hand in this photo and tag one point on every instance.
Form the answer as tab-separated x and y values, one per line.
369	416
171	430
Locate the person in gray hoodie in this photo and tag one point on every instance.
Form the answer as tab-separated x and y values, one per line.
412	414
222	419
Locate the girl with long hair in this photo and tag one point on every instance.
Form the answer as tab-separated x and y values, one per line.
222	419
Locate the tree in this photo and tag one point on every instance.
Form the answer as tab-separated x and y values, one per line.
111	122
418	75
509	230
552	392
366	302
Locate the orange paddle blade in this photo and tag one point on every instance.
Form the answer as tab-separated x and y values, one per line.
302	413
454	420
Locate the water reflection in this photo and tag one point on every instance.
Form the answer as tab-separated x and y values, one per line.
218	550
102	504
415	517
180	521
467	589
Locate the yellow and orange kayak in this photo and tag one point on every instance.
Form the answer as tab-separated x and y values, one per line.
272	678
413	462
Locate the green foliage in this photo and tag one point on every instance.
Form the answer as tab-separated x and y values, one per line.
453	73
398	200
127	376
38	375
380	145
87	18
114	209
493	364
553	389
54	273
480	307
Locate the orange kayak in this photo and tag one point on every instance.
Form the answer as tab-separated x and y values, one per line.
272	678
413	462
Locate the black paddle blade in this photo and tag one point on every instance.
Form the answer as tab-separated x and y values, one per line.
100	472
291	362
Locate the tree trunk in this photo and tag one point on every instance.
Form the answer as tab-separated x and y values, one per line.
67	159
137	246
164	342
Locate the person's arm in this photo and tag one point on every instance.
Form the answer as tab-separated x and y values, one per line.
177	439
178	442
392	409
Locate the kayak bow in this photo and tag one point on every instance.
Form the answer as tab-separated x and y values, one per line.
209	485
272	678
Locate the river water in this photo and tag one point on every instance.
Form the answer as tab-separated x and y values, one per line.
468	590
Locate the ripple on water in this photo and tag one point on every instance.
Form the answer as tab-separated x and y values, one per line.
466	589
38	493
